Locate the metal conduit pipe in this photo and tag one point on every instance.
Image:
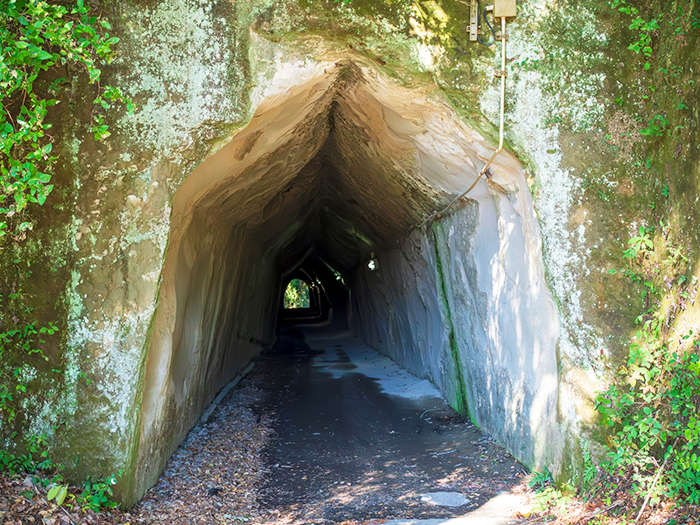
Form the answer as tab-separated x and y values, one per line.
485	169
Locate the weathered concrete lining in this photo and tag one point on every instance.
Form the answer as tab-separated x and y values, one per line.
341	161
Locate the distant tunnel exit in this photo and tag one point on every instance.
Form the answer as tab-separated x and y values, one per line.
315	293
297	295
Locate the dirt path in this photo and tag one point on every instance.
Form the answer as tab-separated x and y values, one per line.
323	430
355	438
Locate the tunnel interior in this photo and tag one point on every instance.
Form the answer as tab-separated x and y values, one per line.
329	183
327	297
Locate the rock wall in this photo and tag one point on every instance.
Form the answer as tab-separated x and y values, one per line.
268	131
465	304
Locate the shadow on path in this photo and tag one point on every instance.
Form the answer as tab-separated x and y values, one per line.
357	438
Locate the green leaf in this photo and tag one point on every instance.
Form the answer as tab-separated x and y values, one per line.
60	498
53	492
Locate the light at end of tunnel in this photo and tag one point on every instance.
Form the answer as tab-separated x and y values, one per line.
373	263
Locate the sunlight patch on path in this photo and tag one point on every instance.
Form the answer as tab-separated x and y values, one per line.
445	499
347	354
497	511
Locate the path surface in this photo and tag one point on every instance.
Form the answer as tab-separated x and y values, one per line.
326	430
357	439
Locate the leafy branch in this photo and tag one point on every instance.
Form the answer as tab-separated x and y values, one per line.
643	44
650	412
39	41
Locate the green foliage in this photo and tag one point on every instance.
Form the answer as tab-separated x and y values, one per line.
297	295
97	493
44	49
659	33
35	458
640	243
42	44
20	347
57	493
645	28
651	412
549	498
541	480
656	126
590	472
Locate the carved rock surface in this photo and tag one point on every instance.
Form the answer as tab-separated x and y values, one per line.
268	133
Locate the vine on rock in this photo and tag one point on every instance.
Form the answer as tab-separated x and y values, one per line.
46	49
651	411
43	45
652	416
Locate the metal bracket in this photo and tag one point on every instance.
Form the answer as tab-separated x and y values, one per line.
473	20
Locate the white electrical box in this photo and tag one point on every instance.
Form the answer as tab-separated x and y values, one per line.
503	8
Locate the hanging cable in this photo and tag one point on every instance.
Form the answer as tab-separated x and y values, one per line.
478	25
486	169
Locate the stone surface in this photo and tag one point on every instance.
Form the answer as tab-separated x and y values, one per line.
445	499
267	132
497	511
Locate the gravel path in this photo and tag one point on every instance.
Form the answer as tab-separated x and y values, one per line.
213	476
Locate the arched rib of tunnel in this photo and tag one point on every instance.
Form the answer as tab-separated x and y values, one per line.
331	172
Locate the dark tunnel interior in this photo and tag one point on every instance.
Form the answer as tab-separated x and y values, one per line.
312	188
330	182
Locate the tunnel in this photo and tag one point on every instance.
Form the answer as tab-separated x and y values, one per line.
323	299
331	181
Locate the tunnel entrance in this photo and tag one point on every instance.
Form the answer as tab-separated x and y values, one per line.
330	183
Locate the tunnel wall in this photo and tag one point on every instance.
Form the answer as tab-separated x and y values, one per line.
463	304
216	311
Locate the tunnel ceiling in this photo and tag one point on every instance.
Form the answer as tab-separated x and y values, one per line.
333	169
338	161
